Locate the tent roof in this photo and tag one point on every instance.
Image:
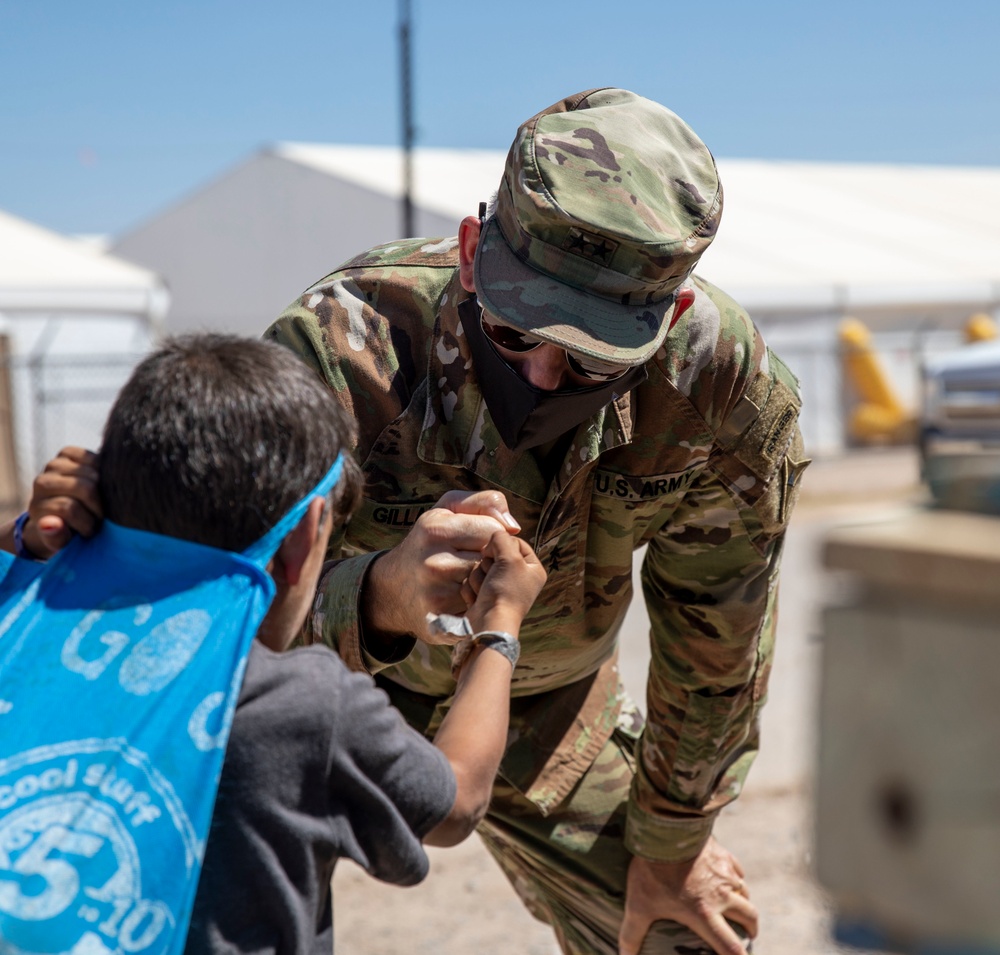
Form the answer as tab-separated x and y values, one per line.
451	182
862	235
43	271
795	236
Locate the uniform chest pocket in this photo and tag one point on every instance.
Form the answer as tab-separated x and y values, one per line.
636	505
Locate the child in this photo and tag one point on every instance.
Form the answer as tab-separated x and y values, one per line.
212	440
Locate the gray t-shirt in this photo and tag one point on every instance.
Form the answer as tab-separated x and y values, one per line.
319	767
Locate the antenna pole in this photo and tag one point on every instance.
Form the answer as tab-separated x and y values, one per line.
405	65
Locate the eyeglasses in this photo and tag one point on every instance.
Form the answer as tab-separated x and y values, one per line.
514	340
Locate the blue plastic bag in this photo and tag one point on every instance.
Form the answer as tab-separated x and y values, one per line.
121	660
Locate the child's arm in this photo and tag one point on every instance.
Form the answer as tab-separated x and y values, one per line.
473	735
64	502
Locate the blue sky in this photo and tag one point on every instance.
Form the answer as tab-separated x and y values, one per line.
110	110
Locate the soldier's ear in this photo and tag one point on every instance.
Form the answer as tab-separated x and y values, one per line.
468	242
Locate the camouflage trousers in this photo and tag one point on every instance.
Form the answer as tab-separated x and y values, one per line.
569	867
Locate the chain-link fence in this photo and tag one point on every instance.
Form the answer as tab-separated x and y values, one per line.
57	400
828	395
54	401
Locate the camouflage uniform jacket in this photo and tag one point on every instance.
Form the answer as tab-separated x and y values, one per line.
699	463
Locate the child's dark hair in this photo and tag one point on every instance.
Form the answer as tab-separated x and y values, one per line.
215	437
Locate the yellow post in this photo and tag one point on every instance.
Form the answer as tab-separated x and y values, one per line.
980	328
879	415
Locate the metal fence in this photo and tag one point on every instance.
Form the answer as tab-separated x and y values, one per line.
57	400
63	399
824	396
828	397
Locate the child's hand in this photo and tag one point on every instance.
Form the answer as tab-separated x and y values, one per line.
504	584
64	501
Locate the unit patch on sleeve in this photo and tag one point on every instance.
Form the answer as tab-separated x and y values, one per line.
764	443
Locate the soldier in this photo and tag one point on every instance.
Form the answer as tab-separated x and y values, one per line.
560	358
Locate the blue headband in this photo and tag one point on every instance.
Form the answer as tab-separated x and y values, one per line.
261	551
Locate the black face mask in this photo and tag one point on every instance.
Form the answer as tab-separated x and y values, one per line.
526	416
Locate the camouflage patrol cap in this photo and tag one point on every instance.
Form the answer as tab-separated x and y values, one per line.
607	202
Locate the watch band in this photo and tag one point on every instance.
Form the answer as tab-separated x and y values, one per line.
506	644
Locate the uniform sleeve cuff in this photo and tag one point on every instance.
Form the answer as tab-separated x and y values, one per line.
666	838
399	651
336	617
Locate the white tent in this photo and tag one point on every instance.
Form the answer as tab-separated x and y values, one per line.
242	247
885	242
874	241
797	238
75	320
801	245
42	273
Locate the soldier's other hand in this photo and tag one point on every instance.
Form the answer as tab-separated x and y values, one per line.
705	894
424	574
64	502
